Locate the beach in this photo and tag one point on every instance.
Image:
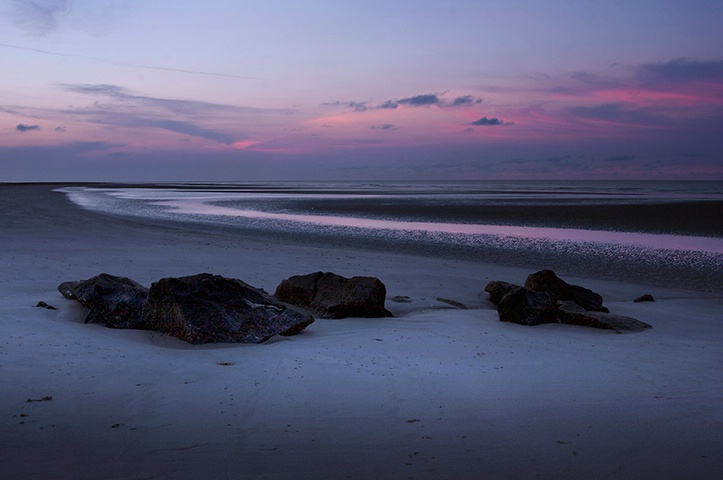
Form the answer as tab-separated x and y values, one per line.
434	392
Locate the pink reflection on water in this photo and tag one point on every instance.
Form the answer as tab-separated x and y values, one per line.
650	240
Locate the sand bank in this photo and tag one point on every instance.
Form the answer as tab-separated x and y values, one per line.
436	392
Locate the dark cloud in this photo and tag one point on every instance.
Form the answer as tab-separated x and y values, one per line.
356	106
423	100
359	106
487	122
386	126
465	100
60	128
682	69
389	104
22	127
420	100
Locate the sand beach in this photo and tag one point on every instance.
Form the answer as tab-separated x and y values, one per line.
436	392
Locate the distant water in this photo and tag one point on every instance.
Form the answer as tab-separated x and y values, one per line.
672	225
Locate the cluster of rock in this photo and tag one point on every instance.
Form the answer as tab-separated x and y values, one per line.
546	298
208	308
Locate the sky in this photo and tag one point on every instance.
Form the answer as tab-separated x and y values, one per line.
232	90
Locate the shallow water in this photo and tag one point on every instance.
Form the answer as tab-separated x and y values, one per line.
444	217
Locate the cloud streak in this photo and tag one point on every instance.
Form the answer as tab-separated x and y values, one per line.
186	117
421	100
185	107
132	65
187	128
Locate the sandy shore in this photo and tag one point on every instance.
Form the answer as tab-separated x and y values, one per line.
436	392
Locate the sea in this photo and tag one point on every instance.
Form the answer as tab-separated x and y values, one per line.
660	232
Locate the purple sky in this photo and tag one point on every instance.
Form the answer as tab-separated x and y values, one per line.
367	90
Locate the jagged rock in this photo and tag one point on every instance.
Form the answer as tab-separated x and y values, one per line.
42	304
559	290
498	289
207	308
115	302
525	307
572	314
332	296
644	298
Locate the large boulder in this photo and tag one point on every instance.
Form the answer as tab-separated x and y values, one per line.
332	296
525	307
559	290
207	308
572	314
498	290
115	302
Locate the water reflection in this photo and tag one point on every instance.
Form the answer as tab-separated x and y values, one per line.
197	206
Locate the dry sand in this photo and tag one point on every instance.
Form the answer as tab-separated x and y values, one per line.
436	392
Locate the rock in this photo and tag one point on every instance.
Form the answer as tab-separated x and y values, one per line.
401	299
497	290
207	308
644	298
572	314
115	302
559	290
42	304
332	296
525	307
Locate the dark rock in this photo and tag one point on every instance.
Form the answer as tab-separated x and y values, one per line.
644	298
497	290
209	308
559	290
42	304
525	307
401	299
332	296
115	302
572	314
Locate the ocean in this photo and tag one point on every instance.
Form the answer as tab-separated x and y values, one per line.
663	232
